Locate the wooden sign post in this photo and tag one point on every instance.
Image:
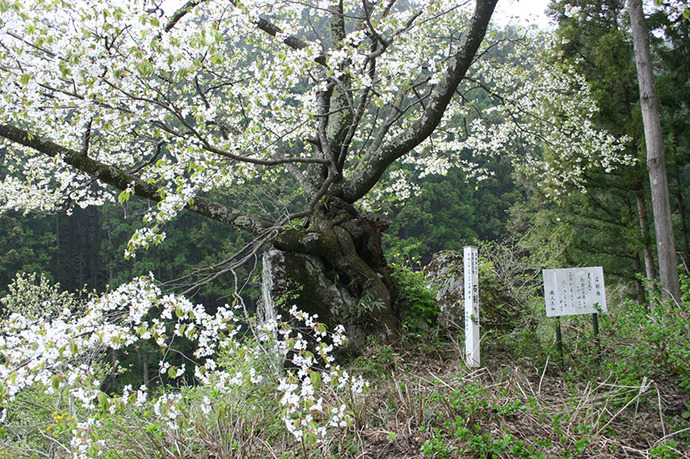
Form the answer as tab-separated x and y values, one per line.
574	291
472	338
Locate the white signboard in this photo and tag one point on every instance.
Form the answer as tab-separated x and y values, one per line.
574	291
471	263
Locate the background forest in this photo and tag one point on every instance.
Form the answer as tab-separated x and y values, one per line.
420	400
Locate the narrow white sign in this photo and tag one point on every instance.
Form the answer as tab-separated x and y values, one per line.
471	262
574	291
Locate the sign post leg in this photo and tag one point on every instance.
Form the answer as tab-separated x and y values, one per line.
559	341
595	325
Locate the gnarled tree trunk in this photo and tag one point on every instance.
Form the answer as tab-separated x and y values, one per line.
334	268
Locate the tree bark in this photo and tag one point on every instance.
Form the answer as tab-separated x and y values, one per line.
685	251
650	273
645	246
661	204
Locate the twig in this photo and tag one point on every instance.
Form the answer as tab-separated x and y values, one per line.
267	445
603	410
643	389
661	414
662	439
438	379
517	384
641	453
531	388
475	374
543	373
586	400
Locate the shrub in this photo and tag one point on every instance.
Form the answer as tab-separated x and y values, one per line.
417	301
33	296
652	339
37	419
509	286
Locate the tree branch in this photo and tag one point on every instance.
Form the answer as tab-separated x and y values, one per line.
116	177
262	23
291	41
377	160
180	13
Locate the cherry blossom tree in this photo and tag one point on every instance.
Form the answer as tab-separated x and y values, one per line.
169	106
174	105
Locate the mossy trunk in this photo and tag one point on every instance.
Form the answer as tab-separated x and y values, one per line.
334	268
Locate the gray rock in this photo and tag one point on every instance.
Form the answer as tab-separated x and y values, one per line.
446	273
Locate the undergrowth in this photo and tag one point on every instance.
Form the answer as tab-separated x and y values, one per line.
422	401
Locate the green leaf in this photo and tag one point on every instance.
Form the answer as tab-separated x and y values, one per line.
4	392
102	399
145	68
315	377
310	438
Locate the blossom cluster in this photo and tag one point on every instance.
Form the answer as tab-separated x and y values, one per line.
307	415
540	113
60	354
198	105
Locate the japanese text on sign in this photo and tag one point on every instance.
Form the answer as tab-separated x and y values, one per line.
472	336
574	291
